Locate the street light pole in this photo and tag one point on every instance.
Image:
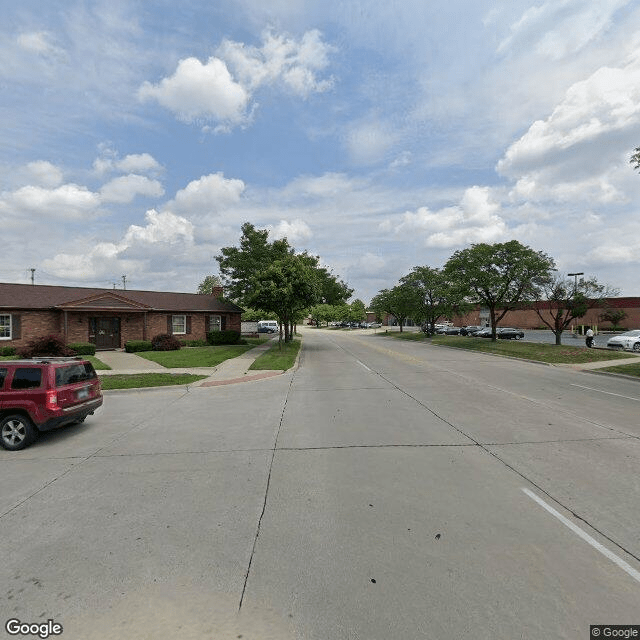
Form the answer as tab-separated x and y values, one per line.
575	288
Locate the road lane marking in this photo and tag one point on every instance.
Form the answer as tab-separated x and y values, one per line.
362	364
586	537
609	393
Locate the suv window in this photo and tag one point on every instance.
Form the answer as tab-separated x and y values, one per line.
3	375
27	378
74	373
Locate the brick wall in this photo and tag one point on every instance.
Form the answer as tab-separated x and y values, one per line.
35	324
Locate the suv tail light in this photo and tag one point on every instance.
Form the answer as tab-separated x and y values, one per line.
51	401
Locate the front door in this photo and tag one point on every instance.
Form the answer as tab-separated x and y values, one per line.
107	333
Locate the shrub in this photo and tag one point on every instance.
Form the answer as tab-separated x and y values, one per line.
132	346
165	342
46	346
228	336
194	343
83	348
7	351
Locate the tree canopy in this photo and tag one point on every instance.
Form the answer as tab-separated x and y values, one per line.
401	302
564	302
436	298
499	276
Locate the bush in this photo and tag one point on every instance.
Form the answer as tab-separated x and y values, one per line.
83	348
52	346
194	343
137	345
165	342
228	336
7	351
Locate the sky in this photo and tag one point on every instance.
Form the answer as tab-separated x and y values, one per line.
136	137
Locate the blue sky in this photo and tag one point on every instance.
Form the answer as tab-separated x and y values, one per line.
137	137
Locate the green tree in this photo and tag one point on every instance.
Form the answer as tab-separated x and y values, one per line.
499	276
285	287
240	265
635	158
357	311
209	284
401	302
322	313
437	298
612	315
562	302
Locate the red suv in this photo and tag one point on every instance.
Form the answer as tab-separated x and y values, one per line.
42	394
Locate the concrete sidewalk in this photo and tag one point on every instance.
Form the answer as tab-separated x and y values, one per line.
601	364
228	372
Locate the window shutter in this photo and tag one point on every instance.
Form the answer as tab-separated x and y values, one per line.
16	327
169	325
188	327
223	323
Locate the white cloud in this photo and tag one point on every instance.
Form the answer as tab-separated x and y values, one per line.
39	42
126	188
606	103
559	28
44	174
208	194
138	163
475	219
67	202
369	142
161	227
325	186
165	240
210	93
199	91
280	59
295	231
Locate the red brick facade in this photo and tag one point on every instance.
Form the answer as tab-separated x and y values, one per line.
108	318
529	319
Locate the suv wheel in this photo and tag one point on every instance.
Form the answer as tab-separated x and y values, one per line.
16	432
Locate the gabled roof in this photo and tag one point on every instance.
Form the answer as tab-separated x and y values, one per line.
27	296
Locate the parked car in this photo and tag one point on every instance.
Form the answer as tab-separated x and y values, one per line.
451	331
483	333
42	394
629	340
470	329
509	333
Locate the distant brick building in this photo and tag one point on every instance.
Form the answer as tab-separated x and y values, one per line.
109	318
529	319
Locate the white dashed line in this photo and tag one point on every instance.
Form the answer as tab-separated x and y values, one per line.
586	537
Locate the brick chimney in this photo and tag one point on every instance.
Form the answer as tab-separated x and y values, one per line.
217	292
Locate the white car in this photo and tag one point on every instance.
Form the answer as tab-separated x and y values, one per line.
629	340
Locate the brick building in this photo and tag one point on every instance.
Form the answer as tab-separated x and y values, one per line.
109	318
529	319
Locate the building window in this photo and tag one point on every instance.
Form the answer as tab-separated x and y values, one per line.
5	327
215	323
179	324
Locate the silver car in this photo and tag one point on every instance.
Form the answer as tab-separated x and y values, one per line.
629	340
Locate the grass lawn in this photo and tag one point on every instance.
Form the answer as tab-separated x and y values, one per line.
196	356
627	369
97	363
530	350
138	380
277	360
417	336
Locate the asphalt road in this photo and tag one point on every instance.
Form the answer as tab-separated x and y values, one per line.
384	490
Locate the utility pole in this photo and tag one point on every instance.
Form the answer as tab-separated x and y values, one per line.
124	282
575	287
33	276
